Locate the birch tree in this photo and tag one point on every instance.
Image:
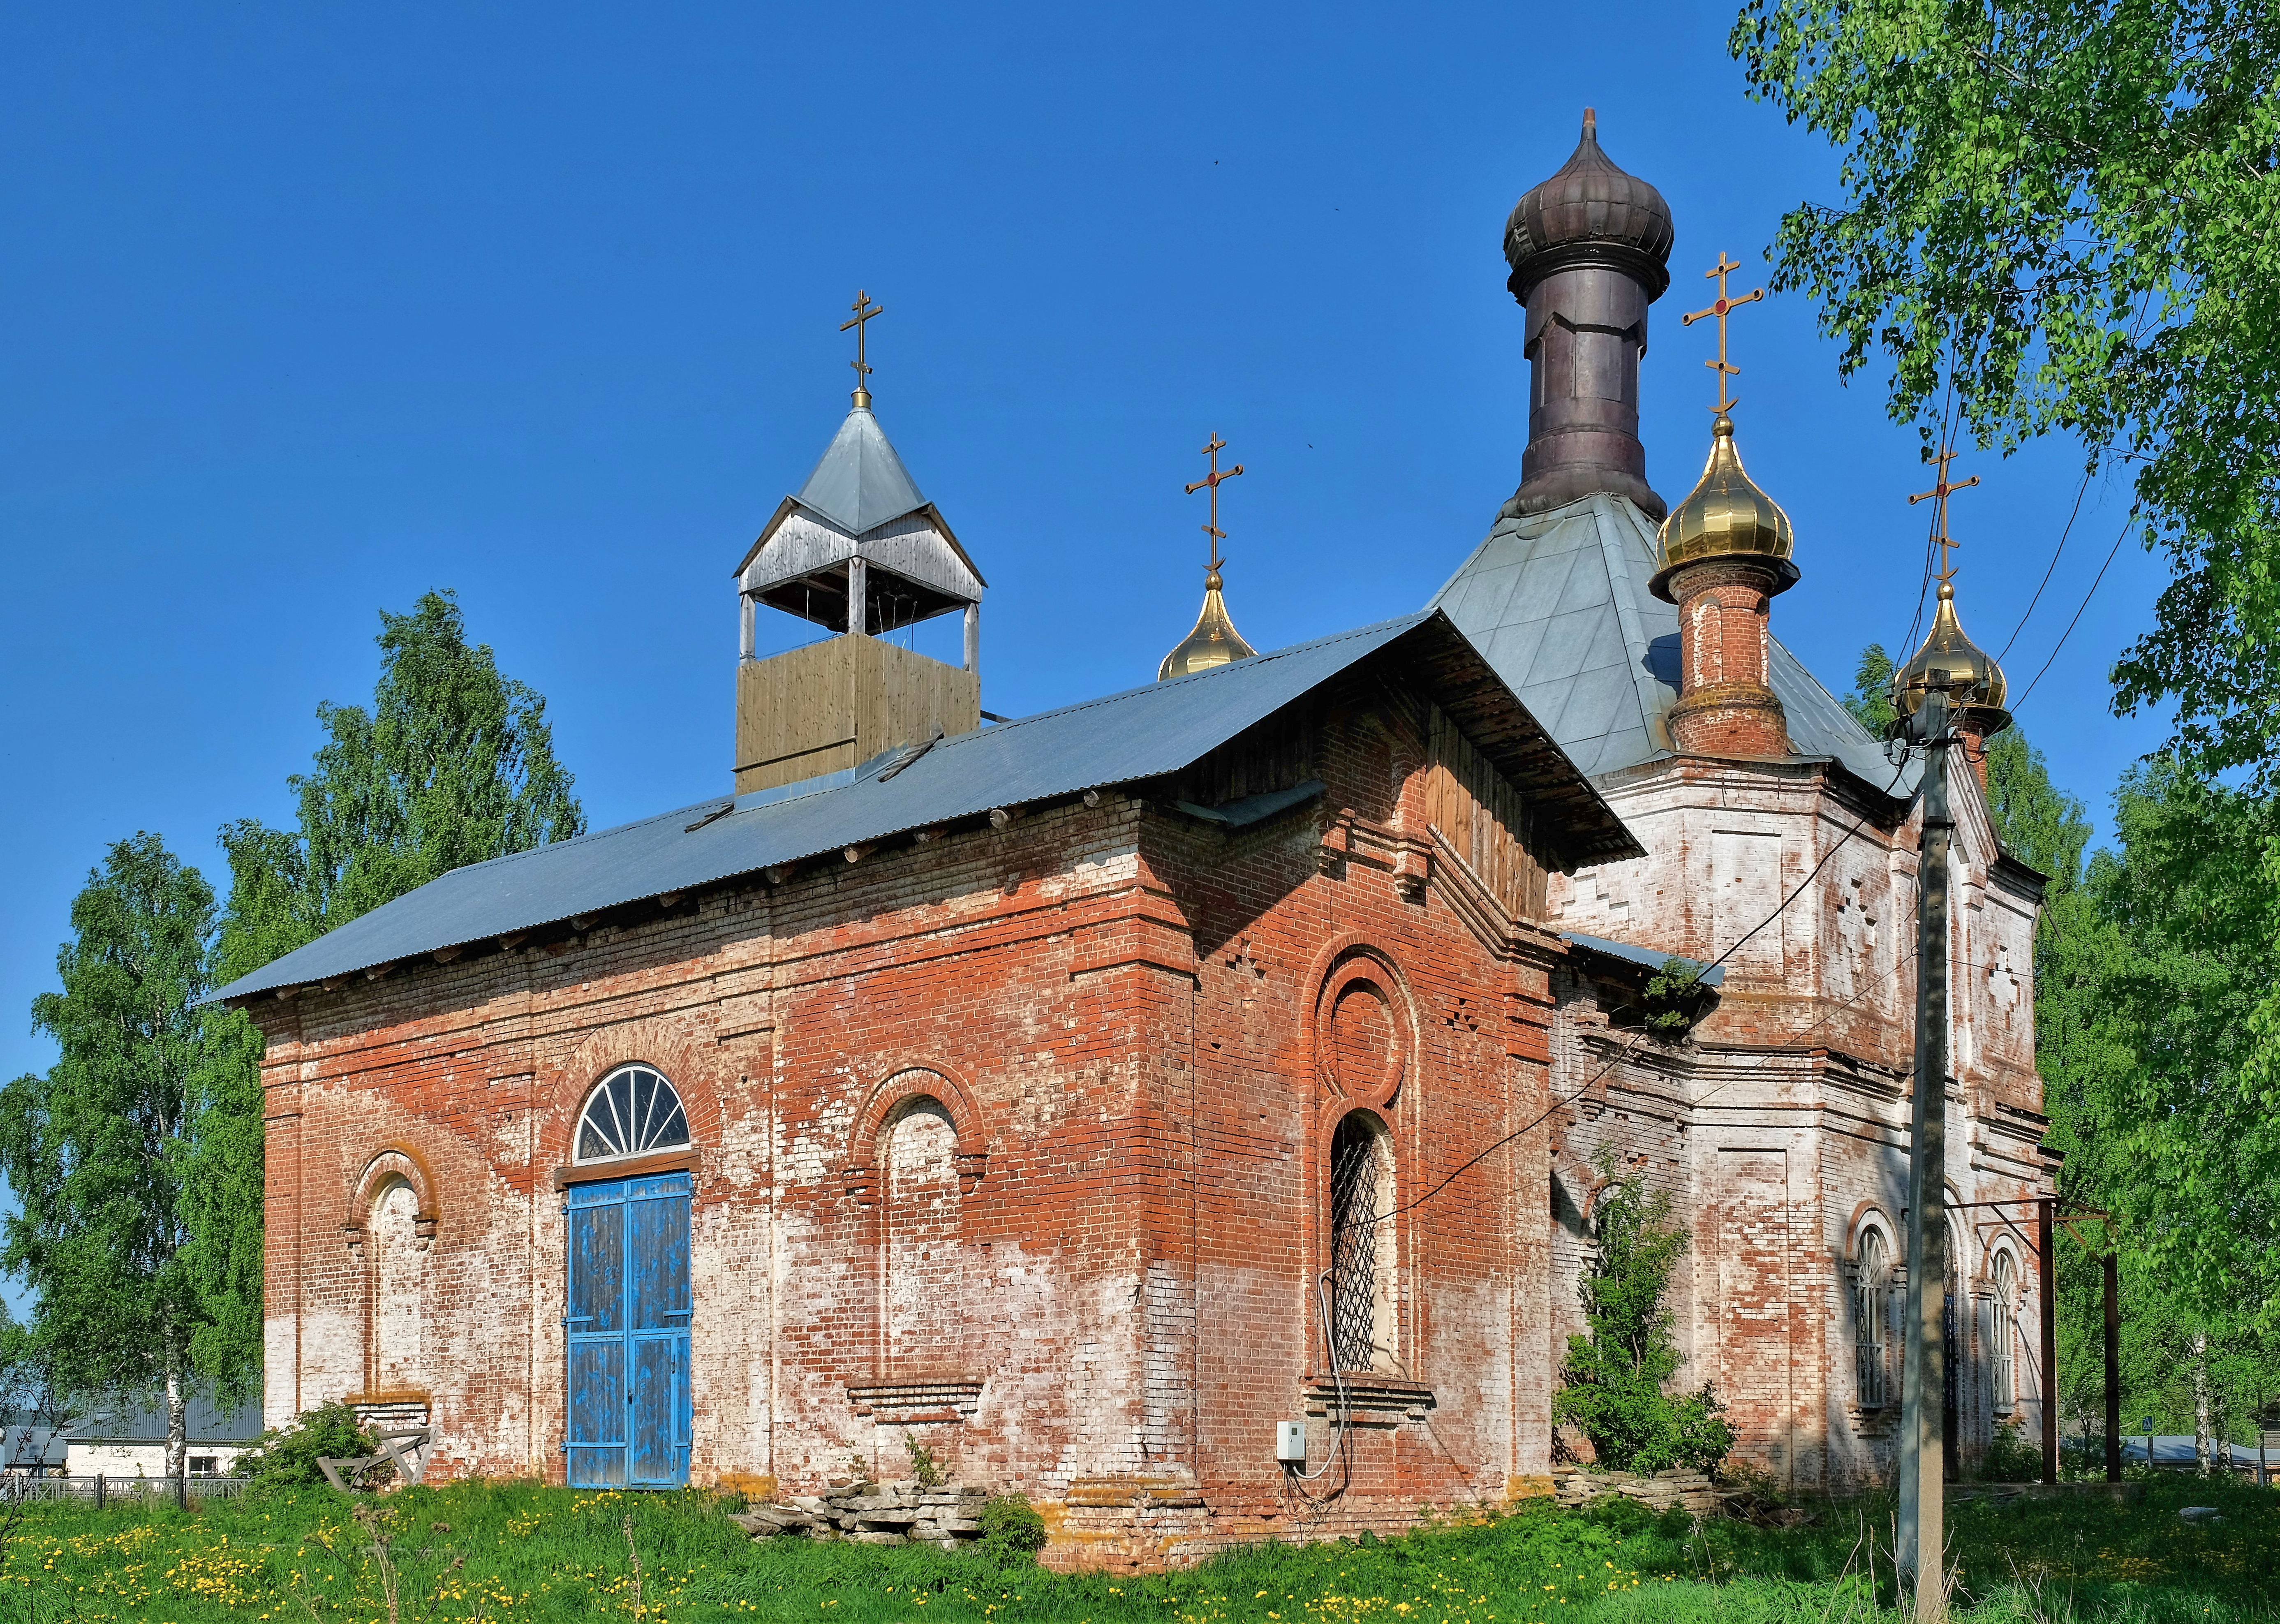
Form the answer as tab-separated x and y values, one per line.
95	1148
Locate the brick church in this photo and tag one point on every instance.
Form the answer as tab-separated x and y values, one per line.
1085	1094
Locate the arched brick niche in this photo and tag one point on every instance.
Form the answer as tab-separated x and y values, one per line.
392	1164
919	1154
903	1089
1361	1030
392	1222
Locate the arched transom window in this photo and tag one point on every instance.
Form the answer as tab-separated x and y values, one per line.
633	1112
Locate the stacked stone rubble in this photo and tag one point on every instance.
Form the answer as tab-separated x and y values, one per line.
875	1514
1692	1490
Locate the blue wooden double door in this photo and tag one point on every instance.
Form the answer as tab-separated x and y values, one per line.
627	1330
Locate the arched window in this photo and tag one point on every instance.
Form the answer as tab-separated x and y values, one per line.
2006	1303
399	1268
1361	1251
633	1112
1872	1312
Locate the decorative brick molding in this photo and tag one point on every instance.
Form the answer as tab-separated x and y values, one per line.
1352	962
388	1164
1369	1400
921	1401
889	1097
391	1411
1134	1492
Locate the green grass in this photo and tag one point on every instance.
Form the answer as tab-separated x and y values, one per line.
509	1551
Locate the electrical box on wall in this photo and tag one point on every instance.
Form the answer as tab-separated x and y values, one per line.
1291	1442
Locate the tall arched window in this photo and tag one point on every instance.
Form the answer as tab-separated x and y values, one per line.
1872	1297
633	1112
2006	1302
399	1270
1363	1314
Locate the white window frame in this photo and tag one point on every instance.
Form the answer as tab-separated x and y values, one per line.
650	1134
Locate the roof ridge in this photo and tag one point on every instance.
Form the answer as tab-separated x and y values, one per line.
1249	662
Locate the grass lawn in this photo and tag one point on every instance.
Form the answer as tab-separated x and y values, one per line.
511	1551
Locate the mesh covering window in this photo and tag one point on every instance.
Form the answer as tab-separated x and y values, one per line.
2006	1302
633	1112
1872	1313
1359	1166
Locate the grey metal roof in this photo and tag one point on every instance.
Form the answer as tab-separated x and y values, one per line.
1652	959
203	1420
1140	734
1559	603
859	483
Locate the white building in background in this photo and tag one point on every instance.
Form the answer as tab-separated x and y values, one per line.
131	1441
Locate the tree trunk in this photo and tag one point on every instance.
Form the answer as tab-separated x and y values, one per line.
177	1410
2201	1402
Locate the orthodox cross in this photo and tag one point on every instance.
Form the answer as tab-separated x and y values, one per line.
1941	490
1210	481
864	311
1720	307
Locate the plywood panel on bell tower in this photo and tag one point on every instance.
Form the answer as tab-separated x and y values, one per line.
838	702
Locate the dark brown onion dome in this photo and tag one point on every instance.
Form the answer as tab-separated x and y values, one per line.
1590	210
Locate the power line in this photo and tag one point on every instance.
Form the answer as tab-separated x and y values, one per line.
2079	492
2110	553
1585	1087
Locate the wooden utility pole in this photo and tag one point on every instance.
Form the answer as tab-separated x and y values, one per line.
1923	1375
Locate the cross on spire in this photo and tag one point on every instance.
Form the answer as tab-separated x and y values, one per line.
864	311
1721	308
1210	481
1941	490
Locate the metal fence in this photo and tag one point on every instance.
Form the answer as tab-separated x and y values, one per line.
104	1491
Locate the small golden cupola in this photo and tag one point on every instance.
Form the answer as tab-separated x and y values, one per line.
1214	641
1725	516
1721	557
1948	658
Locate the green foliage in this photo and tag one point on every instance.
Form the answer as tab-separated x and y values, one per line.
97	1151
454	764
2011	1456
1612	1382
925	1471
1673	998
2038	823
1011	1531
2062	217
286	1455
461	1550
1871	698
2154	970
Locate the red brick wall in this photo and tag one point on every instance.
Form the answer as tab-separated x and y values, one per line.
1129	1019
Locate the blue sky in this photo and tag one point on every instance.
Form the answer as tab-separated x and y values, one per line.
307	309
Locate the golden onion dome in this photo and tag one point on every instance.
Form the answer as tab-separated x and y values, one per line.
1725	517
1974	683
1214	641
